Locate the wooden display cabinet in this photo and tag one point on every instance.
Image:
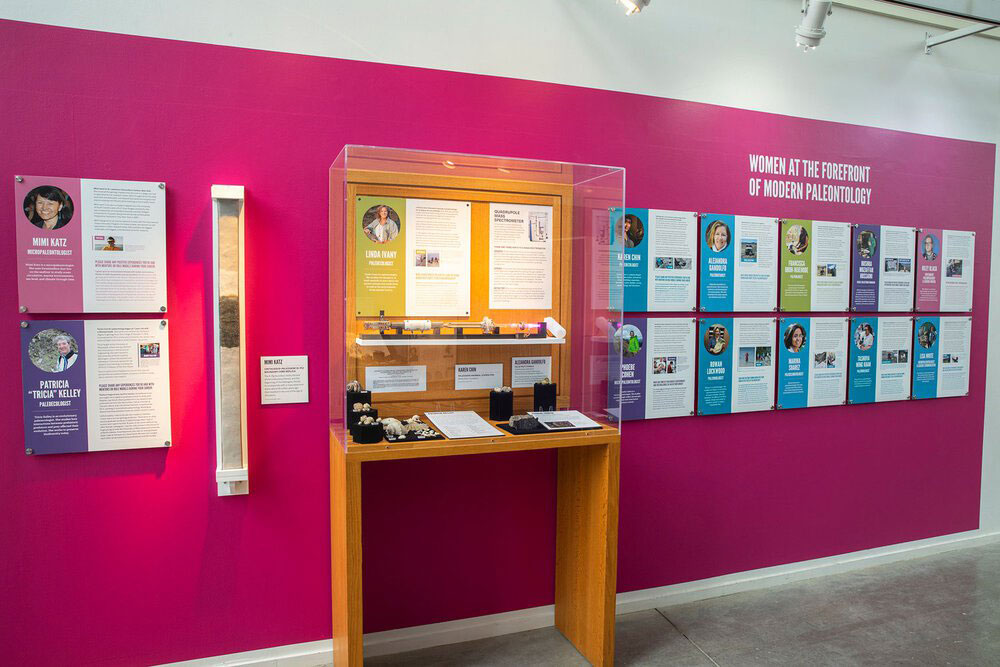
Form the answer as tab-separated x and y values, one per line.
586	299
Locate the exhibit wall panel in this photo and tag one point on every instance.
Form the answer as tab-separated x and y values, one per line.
131	557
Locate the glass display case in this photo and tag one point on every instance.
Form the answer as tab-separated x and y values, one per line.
471	297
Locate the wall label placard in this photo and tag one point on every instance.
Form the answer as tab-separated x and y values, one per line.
815	265
284	379
945	266
883	275
660	252
879	351
739	263
941	347
812	362
92	385
412	256
658	366
90	246
380	379
478	376
520	257
735	364
526	371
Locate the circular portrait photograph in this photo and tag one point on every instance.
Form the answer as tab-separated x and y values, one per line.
864	336
381	224
930	248
797	239
927	335
795	338
716	339
717	236
48	207
628	339
53	350
631	230
867	243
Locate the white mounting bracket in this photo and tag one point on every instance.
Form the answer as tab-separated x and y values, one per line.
974	29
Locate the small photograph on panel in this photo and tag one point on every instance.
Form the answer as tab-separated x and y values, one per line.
538	227
796	239
682	263
890	356
420	258
48	207
716	339
717	236
664	262
931	246
748	357
864	336
659	365
891	265
954	268
628	340
433	260
904	265
795	338
748	250
763	356
927	335
826	270
903	356
149	354
632	230
867	244
109	243
53	350
381	224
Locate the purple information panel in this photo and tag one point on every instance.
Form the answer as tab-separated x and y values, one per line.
865	268
90	385
54	373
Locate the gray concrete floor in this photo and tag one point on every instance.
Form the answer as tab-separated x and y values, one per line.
938	610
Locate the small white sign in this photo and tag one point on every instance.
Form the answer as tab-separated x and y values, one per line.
526	371
395	378
284	380
478	376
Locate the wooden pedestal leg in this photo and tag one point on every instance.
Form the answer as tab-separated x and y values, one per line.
587	549
345	529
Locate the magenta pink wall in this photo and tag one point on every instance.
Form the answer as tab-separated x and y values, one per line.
130	557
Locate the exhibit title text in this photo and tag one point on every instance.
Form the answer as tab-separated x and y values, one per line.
809	180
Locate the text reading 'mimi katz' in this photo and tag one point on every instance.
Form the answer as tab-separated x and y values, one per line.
809	180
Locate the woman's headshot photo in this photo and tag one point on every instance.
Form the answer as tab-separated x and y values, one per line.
864	337
866	244
633	230
927	335
53	350
48	207
795	338
797	239
717	236
929	248
628	339
716	339
381	224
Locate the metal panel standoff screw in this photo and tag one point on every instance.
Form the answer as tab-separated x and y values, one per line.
692	412
22	309
163	309
166	443
19	179
163	323
24	325
29	451
163	186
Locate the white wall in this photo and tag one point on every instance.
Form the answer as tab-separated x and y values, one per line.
870	70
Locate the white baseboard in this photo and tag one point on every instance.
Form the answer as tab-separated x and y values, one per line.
313	654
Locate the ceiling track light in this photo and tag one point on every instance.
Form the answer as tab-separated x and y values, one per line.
633	6
810	30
